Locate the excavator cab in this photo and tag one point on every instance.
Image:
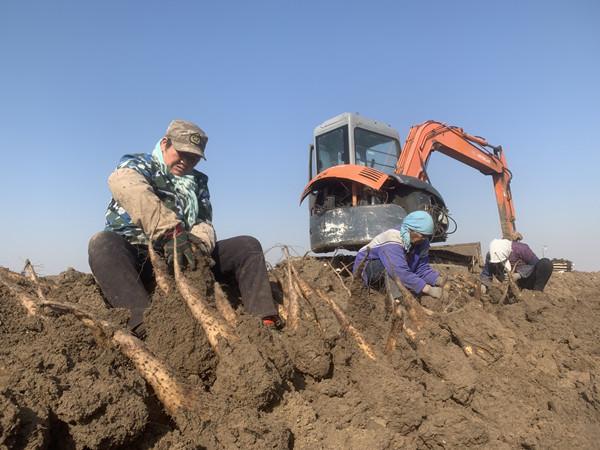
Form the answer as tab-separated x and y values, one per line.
354	191
351	139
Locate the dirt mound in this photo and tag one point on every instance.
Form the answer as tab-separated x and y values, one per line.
469	371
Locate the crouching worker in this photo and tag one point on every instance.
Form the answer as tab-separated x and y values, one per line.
402	254
517	260
156	198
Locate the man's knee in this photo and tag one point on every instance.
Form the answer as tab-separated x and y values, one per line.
545	264
248	244
102	245
100	240
97	243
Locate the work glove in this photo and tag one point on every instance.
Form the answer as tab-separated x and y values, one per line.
432	291
441	280
206	237
185	252
484	289
516	236
516	276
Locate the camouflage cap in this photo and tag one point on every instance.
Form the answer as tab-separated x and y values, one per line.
187	137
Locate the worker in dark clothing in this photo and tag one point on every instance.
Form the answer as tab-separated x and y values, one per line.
159	198
515	259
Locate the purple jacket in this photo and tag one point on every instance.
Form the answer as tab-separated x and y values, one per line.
521	258
411	268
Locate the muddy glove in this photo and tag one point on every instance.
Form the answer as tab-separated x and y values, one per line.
441	280
202	246
516	236
185	253
432	291
205	237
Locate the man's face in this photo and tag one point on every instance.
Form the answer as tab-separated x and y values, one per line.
178	163
416	237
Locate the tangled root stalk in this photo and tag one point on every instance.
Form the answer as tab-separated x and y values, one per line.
215	328
32	275
511	293
343	320
339	277
397	325
292	304
416	314
224	306
160	270
357	280
282	308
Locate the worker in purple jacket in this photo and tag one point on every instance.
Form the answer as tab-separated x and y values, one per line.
402	254
515	259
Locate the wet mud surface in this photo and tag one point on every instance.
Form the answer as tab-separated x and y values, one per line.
479	372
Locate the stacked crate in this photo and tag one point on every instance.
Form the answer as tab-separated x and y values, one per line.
562	265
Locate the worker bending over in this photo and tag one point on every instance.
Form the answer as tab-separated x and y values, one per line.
156	198
515	259
403	255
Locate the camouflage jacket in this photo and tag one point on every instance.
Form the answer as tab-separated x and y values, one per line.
118	219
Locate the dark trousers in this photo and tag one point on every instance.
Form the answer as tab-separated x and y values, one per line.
539	276
124	273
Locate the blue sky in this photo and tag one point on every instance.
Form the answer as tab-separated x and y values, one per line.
84	82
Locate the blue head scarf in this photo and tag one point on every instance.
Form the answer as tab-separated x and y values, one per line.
419	221
185	186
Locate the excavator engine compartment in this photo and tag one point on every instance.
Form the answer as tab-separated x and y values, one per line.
346	214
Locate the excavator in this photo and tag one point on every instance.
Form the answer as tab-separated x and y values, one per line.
364	182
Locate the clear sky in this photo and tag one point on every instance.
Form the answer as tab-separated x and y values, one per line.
82	83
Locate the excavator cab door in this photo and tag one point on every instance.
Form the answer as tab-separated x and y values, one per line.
332	148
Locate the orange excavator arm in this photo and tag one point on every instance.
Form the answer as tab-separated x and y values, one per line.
430	136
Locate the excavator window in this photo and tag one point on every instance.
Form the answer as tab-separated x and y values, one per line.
376	150
332	148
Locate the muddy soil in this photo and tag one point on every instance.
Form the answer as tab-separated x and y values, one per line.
480	372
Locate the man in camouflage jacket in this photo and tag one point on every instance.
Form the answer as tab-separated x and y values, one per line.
155	198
